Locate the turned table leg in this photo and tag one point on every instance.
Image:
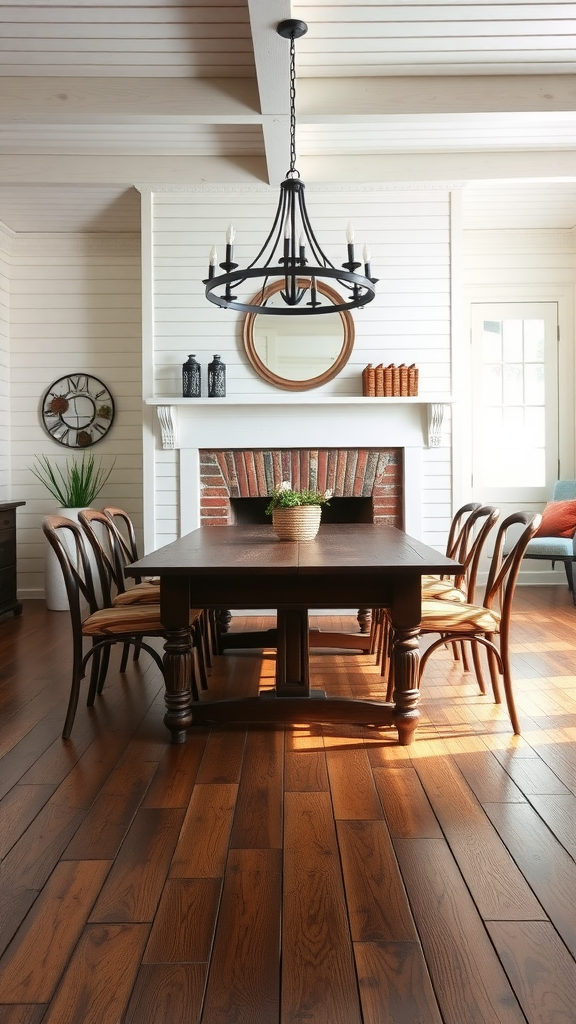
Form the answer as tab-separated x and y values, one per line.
175	617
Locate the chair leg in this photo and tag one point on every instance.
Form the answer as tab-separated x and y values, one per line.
198	642
569	575
478	668
74	691
103	668
124	659
494	672
507	677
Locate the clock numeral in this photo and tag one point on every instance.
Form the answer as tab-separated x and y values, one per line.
100	393
78	383
60	431
99	427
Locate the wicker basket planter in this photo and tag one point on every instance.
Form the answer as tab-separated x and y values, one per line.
299	523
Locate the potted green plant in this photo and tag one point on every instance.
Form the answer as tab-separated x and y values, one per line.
296	514
74	485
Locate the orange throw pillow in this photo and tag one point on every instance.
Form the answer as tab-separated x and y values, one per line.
558	519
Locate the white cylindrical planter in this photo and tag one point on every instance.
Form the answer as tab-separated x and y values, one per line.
54	586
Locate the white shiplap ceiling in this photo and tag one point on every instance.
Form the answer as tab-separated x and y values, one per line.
97	97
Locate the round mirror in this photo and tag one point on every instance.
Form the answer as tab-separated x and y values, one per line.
298	352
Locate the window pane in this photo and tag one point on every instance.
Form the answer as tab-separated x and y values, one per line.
513	384
513	334
534	383
492	341
492	383
534	341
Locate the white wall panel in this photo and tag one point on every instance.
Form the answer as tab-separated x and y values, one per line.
5	249
73	310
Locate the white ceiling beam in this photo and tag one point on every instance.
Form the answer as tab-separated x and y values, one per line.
222	100
272	60
553	165
321	100
129	170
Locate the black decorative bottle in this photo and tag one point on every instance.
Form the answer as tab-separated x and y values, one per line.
216	378
191	378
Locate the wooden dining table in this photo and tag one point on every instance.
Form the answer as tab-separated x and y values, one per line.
247	567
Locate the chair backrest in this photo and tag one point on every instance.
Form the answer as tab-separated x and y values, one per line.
125	530
504	568
473	536
456	527
67	539
564	490
108	548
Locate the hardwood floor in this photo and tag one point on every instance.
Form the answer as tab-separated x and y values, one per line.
268	876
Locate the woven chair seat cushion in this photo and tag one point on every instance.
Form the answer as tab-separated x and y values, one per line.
443	590
141	593
448	617
129	619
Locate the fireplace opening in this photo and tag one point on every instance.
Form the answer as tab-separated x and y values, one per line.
340	510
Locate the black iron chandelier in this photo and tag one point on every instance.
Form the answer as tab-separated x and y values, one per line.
291	249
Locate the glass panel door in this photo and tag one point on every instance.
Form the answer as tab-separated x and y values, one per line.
514	401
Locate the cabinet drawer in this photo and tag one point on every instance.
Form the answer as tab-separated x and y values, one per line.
7	548
8	519
7	584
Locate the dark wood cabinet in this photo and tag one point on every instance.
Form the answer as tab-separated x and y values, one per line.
8	600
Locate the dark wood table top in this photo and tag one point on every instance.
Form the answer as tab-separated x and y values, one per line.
255	550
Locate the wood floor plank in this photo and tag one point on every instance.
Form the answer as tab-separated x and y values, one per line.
352	783
378	909
540	968
33	964
104	828
203	844
17	810
167	994
222	760
318	977
244	978
258	817
305	760
395	987
559	813
468	978
23	1014
487	778
496	884
534	849
133	888
406	806
184	925
98	981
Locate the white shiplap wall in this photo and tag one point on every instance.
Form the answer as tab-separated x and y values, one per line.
6	244
408	230
75	305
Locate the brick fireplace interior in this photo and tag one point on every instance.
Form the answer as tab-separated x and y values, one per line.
366	482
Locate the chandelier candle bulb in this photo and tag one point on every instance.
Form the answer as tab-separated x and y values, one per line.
302	249
366	256
212	261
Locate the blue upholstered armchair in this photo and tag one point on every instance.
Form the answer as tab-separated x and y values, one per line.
558	549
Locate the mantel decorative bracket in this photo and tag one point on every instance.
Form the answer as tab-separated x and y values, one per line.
436	412
167	417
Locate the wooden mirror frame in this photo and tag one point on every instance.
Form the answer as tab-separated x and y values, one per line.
313	382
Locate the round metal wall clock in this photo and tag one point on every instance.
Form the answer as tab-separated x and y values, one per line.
77	410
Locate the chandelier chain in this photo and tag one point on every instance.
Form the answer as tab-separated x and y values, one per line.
292	106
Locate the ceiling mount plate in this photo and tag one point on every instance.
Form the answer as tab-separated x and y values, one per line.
292	28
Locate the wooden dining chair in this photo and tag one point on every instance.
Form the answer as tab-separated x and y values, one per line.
486	625
128	549
94	617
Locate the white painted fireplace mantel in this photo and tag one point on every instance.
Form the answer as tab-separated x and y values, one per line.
299	421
